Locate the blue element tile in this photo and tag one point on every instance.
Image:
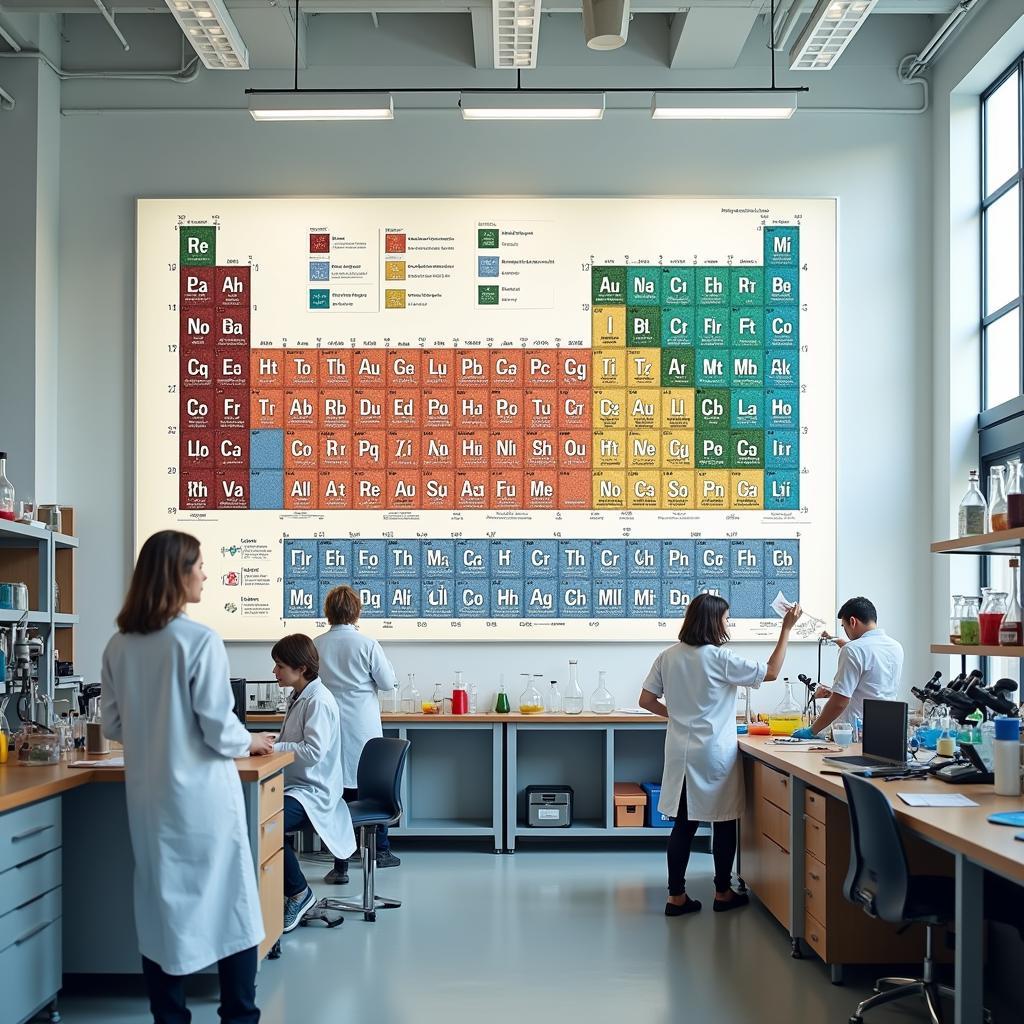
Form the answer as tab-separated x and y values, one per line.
369	559
781	489
300	599
334	560
437	598
608	559
676	595
643	559
609	598
782	246
780	369
746	327
574	559
266	488
507	599
372	592
473	599
319	270
781	449
507	558
712	559
472	559
746	410
438	559
782	408
782	559
574	599
790	590
677	559
782	286
403	559
710	585
746	559
300	560
541	557
746	599
643	599
266	450
540	598
403	599
782	327
488	266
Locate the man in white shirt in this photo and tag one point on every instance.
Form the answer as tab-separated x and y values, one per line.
870	665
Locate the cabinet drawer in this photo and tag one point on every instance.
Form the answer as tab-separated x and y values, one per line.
26	881
30	957
775	884
814	805
774	823
271	836
815	936
272	900
29	831
815	888
772	785
271	797
814	838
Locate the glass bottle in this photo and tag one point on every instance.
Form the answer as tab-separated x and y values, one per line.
1011	633
474	699
531	700
1015	493
411	697
990	617
788	715
998	514
970	630
435	705
572	699
945	745
554	699
501	702
954	619
8	509
973	510
601	700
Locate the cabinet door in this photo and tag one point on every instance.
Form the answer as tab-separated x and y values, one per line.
272	900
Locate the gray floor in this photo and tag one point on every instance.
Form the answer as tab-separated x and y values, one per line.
549	934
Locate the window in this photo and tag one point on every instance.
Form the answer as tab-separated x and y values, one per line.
1002	265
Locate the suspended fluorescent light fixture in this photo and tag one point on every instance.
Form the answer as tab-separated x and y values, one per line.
755	104
319	105
528	105
829	29
208	27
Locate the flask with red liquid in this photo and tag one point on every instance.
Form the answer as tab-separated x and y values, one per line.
1015	493
990	618
1011	629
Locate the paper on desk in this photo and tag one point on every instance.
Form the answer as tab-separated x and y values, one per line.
109	762
936	800
634	711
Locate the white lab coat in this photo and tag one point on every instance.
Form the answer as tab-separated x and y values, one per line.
311	732
698	685
353	667
167	697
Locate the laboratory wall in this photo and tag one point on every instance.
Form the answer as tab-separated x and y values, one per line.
877	164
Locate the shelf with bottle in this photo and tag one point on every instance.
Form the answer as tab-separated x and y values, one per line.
978	650
1001	542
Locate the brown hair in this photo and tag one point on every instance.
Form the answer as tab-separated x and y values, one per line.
702	624
157	591
342	606
297	651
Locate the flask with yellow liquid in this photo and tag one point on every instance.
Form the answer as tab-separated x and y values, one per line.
788	715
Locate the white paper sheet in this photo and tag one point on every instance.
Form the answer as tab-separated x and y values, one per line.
936	800
109	762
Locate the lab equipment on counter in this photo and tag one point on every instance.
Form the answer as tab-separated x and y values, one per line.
601	700
572	699
1006	756
474	699
8	510
973	513
954	619
549	806
531	701
411	697
37	746
787	715
460	696
554	699
1015	493
502	705
95	741
434	706
842	733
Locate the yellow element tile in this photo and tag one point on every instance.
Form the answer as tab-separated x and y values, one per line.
746	488
677	408
712	488
643	449
677	489
394	298
609	368
609	489
643	408
677	449
609	449
643	488
394	270
608	327
643	368
609	409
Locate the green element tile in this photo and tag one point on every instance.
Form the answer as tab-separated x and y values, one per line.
712	449
712	286
643	327
487	238
319	298
713	367
487	295
197	246
747	409
746	286
643	286
712	326
746	449
608	286
676	327
746	368
677	286
782	326
782	246
746	327
711	409
677	368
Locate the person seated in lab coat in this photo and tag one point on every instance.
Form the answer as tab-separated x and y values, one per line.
353	667
313	790
693	684
166	697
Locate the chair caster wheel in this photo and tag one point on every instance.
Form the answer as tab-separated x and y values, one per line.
795	951
275	951
371	916
856	1020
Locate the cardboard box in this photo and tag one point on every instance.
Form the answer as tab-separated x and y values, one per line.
630	802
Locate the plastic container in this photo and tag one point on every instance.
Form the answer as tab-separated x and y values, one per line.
1006	756
655	819
630	805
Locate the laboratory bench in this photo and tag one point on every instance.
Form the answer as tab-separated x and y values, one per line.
51	924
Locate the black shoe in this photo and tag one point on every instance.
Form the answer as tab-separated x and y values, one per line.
387	859
691	906
736	899
336	877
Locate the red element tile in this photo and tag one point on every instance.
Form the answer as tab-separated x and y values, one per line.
196	287
368	407
437	489
319	242
196	449
301	408
196	489
437	450
506	489
335	367
471	449
540	449
403	488
394	241
369	489
540	489
231	409
404	368
197	408
195	327
196	368
471	488
403	449
575	489
232	488
230	367
540	408
335	408
232	449
233	286
232	327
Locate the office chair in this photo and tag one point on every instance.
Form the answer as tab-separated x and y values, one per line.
379	802
879	880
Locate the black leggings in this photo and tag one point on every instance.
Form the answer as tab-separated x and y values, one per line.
237	991
723	849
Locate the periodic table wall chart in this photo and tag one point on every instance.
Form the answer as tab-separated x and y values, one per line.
495	418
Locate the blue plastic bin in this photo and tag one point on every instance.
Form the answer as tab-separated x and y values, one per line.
655	819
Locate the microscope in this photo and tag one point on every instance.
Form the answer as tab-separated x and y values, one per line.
33	707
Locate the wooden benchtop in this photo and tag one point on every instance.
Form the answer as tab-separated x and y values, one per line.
25	784
489	718
960	829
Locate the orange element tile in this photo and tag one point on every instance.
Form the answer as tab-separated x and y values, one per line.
301	448
404	407
506	489
472	368
335	367
301	488
437	449
301	368
266	408
506	367
437	368
437	489
471	449
506	449
540	488
437	407
335	407
403	448
540	408
334	489
369	449
368	407
506	407
335	449
574	368
369	367
541	449
403	488
541	368
300	407
369	489
471	488
404	368
574	409
471	408
574	449
574	488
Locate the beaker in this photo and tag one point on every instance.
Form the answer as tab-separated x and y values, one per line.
954	619
970	633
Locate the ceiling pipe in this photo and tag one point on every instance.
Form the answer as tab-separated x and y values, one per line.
9	39
788	24
6	99
109	19
946	31
187	73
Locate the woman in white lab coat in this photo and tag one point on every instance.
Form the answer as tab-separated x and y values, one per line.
693	684
313	790
353	667
167	697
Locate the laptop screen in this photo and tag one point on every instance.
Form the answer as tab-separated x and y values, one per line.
885	729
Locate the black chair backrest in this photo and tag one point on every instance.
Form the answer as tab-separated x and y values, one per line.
879	877
379	773
238	698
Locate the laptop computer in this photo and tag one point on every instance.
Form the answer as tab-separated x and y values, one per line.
885	738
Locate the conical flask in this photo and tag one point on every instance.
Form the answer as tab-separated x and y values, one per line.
601	700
